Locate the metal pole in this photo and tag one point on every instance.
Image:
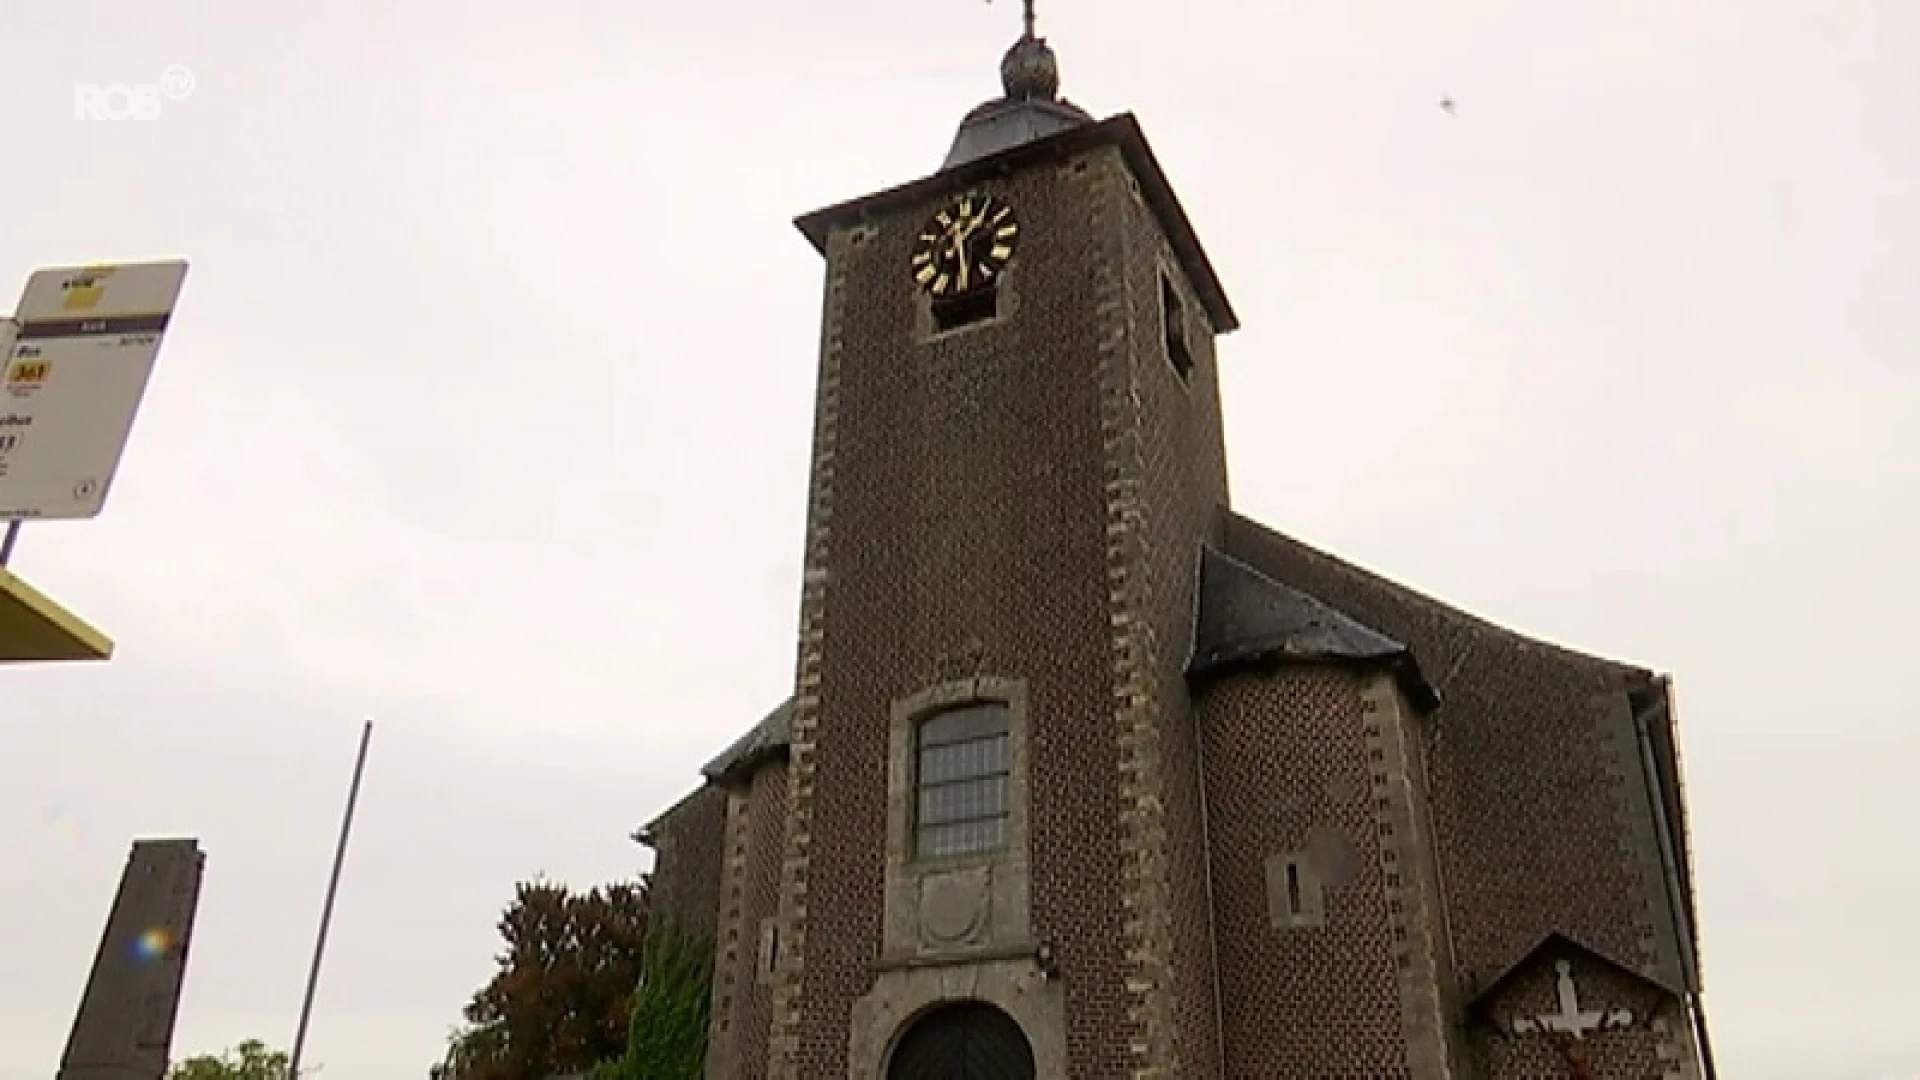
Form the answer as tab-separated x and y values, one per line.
326	910
6	546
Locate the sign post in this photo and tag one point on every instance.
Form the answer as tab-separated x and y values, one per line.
84	343
8	331
74	363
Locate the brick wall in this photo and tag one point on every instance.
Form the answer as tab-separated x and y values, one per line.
1289	771
1167	478
989	501
788	1017
761	835
687	840
1531	778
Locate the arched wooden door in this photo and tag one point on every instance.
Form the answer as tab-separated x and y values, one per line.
966	1041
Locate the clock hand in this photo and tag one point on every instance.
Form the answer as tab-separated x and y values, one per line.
962	231
960	257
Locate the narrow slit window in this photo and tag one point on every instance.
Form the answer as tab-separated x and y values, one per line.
1173	319
1296	898
769	950
963	766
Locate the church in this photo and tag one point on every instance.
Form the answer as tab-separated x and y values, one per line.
1086	776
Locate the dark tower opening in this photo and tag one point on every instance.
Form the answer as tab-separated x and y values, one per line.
1173	320
967	309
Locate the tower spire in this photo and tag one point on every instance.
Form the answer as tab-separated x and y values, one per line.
1029	70
1030	106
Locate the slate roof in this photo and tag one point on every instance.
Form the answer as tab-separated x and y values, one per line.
1246	618
768	739
1006	123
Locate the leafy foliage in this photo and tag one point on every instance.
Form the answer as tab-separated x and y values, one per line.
561	998
250	1060
667	1039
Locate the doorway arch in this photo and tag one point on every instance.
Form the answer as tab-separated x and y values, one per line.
967	1040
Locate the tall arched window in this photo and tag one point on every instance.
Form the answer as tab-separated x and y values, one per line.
962	760
969	1040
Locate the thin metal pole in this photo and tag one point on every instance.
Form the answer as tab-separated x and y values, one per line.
6	546
326	910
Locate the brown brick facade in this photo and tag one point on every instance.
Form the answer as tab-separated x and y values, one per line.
1167	469
1294	867
1531	758
687	841
749	935
969	513
1293	767
1534	778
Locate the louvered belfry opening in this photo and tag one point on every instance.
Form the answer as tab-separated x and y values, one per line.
966	1041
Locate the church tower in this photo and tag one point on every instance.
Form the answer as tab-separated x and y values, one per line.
1017	454
1086	776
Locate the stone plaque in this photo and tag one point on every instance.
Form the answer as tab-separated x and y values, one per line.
954	907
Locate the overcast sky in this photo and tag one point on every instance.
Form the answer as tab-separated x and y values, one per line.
487	409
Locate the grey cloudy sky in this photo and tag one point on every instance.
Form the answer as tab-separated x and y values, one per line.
487	410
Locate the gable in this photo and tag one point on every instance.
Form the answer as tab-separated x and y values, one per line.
1557	962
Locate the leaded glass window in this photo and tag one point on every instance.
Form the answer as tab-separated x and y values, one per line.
963	757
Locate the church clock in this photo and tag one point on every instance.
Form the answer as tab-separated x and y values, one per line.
965	246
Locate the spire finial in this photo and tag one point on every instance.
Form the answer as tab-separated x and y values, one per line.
1029	71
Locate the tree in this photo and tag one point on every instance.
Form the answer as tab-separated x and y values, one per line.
667	1037
562	997
250	1060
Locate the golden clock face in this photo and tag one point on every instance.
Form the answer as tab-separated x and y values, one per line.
965	247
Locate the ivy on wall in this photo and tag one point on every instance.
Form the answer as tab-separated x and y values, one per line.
667	1036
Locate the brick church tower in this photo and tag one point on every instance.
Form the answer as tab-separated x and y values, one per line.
1085	776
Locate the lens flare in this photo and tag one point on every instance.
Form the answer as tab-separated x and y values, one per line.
152	944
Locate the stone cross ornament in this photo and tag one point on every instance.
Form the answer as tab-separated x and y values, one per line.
1571	1019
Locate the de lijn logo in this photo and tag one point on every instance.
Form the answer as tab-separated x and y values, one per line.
132	101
